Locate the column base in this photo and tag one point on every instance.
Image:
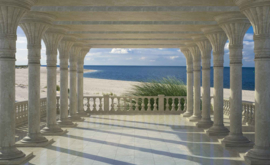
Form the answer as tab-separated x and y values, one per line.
53	130
195	118
66	123
34	144
258	157
187	114
76	118
204	124
10	153
17	161
217	131
236	141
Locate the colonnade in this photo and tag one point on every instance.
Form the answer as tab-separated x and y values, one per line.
37	26
230	26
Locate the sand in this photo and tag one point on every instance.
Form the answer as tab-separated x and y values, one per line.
92	86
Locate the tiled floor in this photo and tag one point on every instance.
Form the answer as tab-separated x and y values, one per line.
129	140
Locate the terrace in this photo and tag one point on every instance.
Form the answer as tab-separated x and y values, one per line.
134	130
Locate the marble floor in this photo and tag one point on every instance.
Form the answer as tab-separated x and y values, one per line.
140	140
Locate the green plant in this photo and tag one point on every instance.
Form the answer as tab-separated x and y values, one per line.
170	86
57	88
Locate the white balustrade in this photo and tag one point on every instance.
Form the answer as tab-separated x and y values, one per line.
21	109
248	111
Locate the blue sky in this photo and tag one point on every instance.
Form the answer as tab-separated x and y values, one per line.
152	57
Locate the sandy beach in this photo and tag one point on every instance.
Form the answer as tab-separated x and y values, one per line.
92	86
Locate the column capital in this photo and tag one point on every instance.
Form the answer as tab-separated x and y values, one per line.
216	36
187	54
11	13
235	25
52	38
204	45
34	24
196	55
65	45
254	10
218	39
258	14
83	53
75	51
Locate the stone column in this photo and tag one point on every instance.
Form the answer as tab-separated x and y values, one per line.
80	69
64	48
196	56
235	26
8	37
258	14
52	38
218	39
205	48
34	24
73	59
189	59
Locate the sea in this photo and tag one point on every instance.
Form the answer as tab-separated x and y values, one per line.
149	73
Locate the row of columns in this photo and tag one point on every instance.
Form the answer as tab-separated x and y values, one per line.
37	26
232	26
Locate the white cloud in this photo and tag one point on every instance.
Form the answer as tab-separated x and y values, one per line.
248	36
248	59
152	60
173	57
226	47
120	51
160	48
21	40
129	58
142	58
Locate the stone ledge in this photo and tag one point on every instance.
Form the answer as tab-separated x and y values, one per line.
55	134
44	144
18	161
227	144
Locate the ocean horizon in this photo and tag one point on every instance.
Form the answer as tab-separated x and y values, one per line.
149	73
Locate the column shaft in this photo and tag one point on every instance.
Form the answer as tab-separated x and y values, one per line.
206	100
64	92
80	89
189	94
205	48
73	108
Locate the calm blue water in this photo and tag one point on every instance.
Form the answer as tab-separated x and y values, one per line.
146	73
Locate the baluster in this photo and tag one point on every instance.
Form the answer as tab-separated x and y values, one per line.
185	105
244	112
112	105
118	104
253	116
88	105
100	104
137	104
248	113
155	104
149	104
143	105
94	104
125	104
173	105
179	104
167	104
